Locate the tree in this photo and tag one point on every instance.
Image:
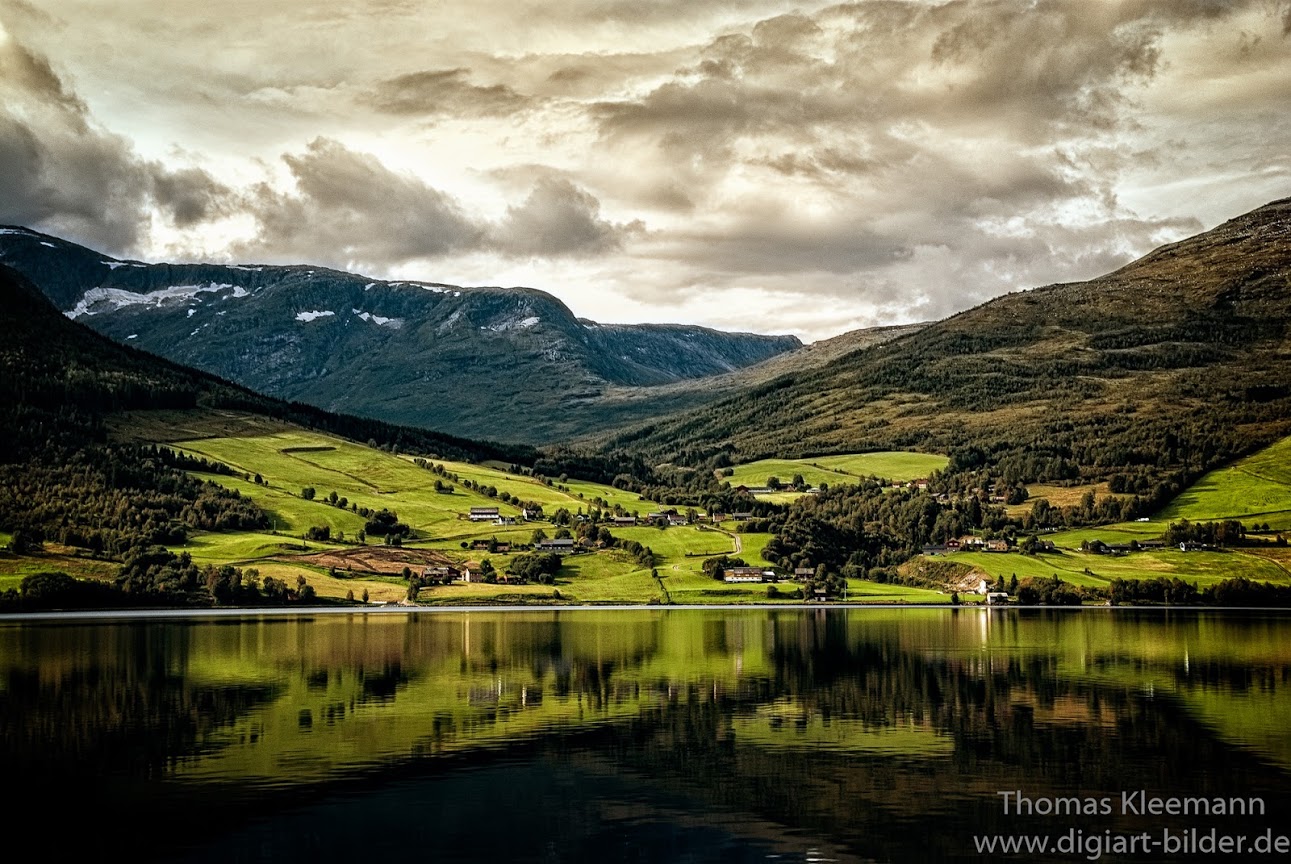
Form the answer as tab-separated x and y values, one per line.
365	595
798	482
487	571
307	493
349	595
538	536
773	482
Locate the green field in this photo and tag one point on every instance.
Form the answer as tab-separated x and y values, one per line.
1254	490
839	470
291	460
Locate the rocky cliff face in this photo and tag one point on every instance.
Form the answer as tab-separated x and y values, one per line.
497	363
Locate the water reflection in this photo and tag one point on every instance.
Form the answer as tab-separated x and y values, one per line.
856	735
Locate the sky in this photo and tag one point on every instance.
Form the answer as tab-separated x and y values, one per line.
805	168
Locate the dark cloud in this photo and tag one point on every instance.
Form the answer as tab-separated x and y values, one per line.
190	196
558	218
445	92
349	208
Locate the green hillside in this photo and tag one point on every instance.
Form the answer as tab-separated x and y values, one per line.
1147	377
847	468
289	461
1255	491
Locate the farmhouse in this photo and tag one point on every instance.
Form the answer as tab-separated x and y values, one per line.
934	549
997	598
530	515
997	546
741	517
444	573
484	514
624	520
504	520
559	545
745	574
801	573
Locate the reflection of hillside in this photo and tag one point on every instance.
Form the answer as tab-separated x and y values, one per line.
863	725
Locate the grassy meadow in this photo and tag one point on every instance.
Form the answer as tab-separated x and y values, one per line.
838	470
290	460
1254	490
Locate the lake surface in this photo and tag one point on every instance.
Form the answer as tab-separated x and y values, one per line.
685	735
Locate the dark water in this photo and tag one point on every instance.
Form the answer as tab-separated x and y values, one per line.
871	735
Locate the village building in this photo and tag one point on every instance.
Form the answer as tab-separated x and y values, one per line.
559	545
624	520
997	598
484	514
997	545
745	574
442	573
803	573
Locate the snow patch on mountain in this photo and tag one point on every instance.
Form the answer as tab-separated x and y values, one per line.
392	323
99	300
513	324
313	316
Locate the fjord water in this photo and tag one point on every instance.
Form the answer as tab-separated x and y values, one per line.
668	735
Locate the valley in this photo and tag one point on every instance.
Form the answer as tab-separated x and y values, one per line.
366	478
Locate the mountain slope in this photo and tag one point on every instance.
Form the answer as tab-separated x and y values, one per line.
433	355
1160	368
59	379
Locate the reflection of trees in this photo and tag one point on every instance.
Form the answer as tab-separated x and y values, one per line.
1017	724
726	720
106	721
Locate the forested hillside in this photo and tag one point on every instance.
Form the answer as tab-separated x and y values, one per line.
1145	378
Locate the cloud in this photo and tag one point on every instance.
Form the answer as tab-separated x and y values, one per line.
558	218
897	157
62	172
348	208
445	92
190	196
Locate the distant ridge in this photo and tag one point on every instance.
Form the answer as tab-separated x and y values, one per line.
421	353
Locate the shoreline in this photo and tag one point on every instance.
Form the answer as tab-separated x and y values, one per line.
108	615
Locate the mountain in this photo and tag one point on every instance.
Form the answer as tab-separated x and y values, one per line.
60	381
496	363
1154	371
